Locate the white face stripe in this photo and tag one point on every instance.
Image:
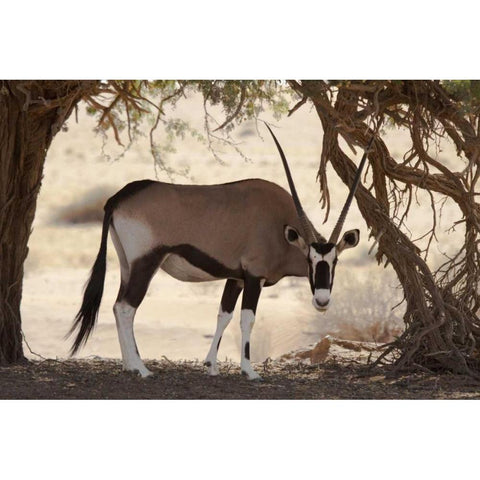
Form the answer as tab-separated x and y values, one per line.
316	257
329	257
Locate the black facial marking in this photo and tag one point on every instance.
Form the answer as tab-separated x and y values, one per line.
323	248
247	350
322	269
218	344
230	295
322	275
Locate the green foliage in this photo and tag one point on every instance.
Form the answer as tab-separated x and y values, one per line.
125	106
466	92
252	96
176	128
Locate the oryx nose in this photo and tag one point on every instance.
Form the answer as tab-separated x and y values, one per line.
322	304
321	299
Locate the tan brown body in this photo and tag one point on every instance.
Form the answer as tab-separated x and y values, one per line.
240	225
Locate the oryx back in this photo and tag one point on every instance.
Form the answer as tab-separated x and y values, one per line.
207	232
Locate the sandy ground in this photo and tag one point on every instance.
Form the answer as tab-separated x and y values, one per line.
102	379
177	319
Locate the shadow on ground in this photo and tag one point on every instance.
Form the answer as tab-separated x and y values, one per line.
104	379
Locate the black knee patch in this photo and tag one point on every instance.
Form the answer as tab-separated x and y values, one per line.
230	295
251	294
247	350
218	344
203	261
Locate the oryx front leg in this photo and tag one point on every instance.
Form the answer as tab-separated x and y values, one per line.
227	305
253	287
124	316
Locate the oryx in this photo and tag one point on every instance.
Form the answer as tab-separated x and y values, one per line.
251	233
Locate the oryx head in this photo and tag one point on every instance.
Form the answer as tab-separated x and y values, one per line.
321	255
322	259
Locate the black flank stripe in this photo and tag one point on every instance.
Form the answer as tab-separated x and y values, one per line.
204	261
144	268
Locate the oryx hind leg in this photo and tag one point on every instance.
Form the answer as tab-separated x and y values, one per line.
124	316
225	313
135	279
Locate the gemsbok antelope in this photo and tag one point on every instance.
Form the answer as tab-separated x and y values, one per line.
251	233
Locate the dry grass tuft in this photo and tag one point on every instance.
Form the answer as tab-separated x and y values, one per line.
362	310
376	330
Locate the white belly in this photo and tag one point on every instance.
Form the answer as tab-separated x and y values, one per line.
180	269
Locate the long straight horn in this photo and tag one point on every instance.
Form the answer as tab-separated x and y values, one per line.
338	227
307	230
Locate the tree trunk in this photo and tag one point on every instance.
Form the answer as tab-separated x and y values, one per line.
31	113
442	322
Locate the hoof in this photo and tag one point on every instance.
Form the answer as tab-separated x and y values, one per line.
212	370
142	372
146	373
254	376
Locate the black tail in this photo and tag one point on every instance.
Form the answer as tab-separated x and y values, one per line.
92	297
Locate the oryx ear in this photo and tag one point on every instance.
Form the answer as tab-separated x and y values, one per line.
294	238
350	239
